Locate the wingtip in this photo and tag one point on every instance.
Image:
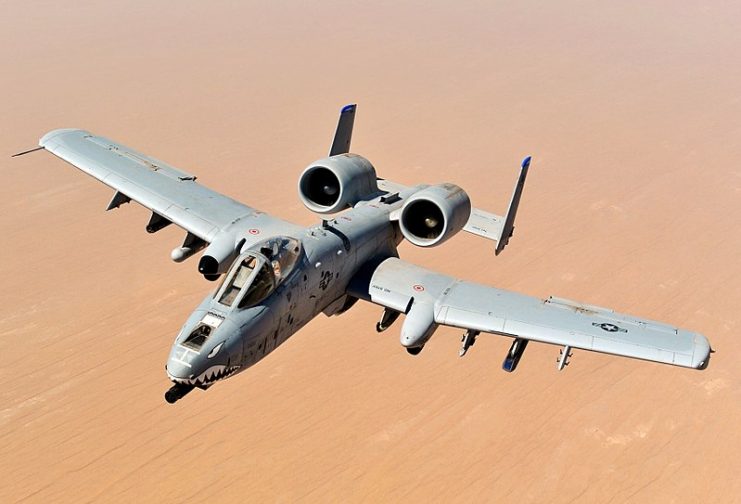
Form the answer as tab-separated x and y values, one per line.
526	162
702	352
53	133
349	108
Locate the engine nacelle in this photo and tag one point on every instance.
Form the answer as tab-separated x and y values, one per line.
218	256
432	215
337	182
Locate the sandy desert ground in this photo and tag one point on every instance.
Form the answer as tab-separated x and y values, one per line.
632	111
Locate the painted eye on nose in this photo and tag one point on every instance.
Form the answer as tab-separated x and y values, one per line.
215	350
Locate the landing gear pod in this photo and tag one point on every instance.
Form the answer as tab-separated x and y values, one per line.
415	350
418	326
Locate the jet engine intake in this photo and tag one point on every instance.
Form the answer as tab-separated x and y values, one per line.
434	214
337	182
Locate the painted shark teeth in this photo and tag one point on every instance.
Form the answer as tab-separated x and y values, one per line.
209	376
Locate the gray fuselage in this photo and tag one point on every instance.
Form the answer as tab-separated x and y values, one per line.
329	256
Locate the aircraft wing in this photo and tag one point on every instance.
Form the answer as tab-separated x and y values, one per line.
171	194
414	290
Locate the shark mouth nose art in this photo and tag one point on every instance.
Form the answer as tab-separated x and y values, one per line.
209	376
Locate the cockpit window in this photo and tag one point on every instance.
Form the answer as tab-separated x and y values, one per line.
238	281
283	253
198	337
261	286
256	273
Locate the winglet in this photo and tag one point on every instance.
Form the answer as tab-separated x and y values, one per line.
343	135
509	221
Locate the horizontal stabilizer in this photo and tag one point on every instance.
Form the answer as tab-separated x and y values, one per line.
484	224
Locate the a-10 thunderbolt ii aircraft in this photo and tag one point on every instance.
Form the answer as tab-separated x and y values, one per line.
278	276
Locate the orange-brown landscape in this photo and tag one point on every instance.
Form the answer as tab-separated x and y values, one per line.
632	112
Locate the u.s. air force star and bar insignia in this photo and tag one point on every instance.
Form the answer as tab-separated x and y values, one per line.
609	327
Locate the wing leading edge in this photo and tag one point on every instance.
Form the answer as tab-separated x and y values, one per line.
171	194
457	303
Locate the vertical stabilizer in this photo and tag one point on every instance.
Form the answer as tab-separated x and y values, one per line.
343	135
509	221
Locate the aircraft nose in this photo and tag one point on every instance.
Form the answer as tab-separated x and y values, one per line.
181	363
177	370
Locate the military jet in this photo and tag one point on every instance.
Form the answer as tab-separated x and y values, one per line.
277	276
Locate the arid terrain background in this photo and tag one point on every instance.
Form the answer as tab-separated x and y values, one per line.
632	113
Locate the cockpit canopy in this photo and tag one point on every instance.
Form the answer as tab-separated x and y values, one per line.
256	273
